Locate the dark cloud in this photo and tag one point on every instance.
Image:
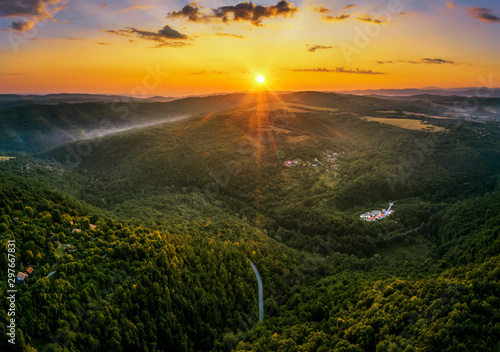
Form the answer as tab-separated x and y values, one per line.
191	12
161	35
165	36
122	32
349	6
422	61
104	43
229	35
26	8
436	61
245	11
371	20
335	18
22	25
32	11
483	14
338	70
314	48
248	11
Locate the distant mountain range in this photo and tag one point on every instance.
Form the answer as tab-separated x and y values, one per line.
466	92
18	99
7	100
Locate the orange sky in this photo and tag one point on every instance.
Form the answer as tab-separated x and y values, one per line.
92	48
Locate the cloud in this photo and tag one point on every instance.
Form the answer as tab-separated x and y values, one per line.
338	70
22	26
248	11
172	45
321	9
32	11
203	73
229	35
161	35
191	12
349	6
332	18
314	48
36	8
335	18
165	36
483	14
121	32
104	43
368	18
436	61
422	61
450	5
245	11
137	8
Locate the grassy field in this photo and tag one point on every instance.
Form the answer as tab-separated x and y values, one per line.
5	158
293	108
315	108
406	124
406	113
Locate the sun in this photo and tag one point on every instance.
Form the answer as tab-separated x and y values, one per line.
261	79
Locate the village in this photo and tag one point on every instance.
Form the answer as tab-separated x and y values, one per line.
375	215
329	162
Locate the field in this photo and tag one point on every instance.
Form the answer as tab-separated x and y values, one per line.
407	113
408	124
5	158
292	108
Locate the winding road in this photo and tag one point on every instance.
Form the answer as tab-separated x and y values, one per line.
261	291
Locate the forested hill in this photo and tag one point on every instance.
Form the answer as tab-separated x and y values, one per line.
141	240
188	285
48	121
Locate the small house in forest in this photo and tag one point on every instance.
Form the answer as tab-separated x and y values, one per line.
21	277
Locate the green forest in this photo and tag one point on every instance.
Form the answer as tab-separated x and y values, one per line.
141	240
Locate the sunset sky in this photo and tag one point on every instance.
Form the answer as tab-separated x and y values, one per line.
176	48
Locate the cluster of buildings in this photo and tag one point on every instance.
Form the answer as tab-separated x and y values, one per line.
23	276
29	166
377	214
329	162
481	132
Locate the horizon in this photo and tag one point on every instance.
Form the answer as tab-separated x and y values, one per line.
184	48
450	89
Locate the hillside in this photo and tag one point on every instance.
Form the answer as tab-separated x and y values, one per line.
44	123
161	222
239	157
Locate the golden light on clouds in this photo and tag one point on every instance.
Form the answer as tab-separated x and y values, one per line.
209	48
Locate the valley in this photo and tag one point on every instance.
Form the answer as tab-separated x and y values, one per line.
171	217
